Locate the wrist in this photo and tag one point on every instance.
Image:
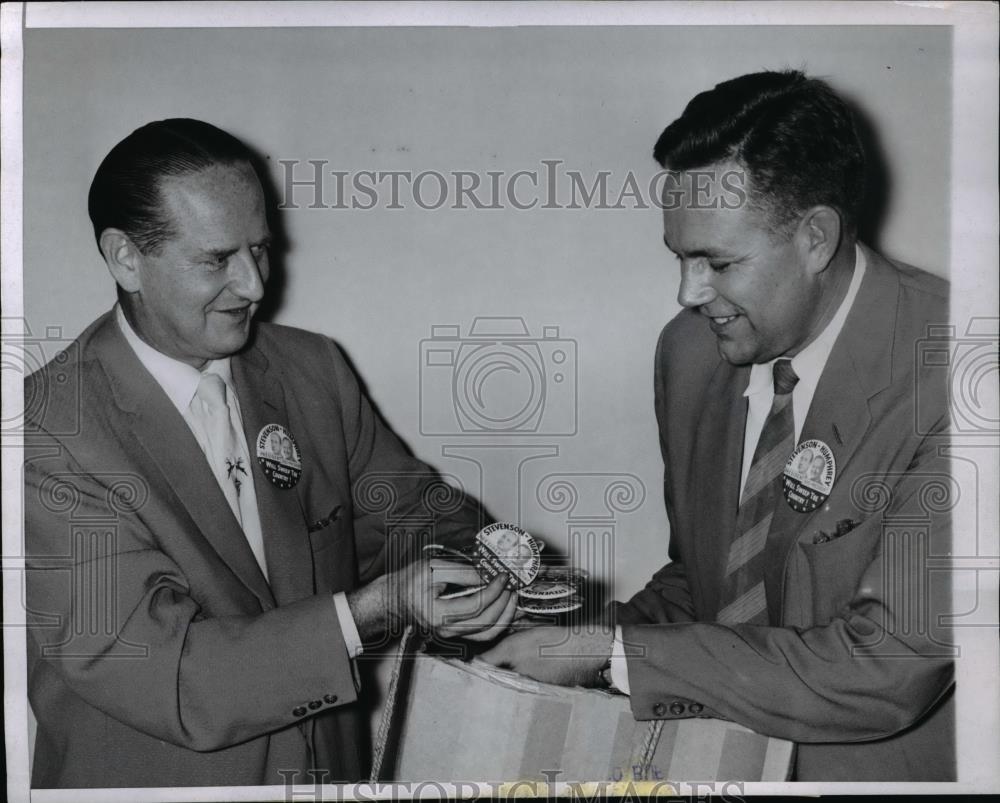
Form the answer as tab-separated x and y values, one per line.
603	675
601	649
391	593
372	608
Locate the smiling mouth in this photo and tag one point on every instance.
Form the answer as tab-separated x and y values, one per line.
719	323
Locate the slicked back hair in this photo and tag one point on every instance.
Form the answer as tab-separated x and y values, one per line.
125	193
792	134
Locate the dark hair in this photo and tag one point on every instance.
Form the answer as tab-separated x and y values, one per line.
125	192
792	134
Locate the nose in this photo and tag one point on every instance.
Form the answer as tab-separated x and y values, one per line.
249	275
696	284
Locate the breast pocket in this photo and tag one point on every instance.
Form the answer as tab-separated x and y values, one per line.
837	566
332	544
322	529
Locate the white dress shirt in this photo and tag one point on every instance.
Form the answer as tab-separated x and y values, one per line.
180	382
808	365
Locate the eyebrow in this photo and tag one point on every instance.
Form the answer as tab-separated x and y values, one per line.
696	254
221	253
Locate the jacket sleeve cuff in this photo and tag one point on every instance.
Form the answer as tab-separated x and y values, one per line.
348	627
619	666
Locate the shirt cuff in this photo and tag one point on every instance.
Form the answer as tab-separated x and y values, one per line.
619	666
352	639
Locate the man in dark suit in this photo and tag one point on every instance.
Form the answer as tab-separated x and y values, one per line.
197	602
803	610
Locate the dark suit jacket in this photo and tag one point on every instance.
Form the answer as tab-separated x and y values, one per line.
855	665
158	653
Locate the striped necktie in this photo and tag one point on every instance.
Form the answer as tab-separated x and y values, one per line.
743	597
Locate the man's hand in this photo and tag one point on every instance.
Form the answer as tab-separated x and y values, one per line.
481	616
561	655
413	595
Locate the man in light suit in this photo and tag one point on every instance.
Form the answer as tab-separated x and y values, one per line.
195	605
806	611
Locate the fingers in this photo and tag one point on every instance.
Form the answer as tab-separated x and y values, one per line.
501	624
473	604
446	571
483	620
484	617
480	616
497	587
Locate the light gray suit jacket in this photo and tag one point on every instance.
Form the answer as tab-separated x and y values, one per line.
855	664
158	653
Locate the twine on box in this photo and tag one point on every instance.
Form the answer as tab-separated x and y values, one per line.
391	700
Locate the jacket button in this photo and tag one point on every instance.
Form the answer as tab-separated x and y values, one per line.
330	698
314	704
676	708
696	708
299	711
659	710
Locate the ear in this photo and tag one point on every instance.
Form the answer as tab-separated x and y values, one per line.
123	259
818	237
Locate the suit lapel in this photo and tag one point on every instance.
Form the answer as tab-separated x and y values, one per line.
282	516
718	454
170	443
857	369
839	417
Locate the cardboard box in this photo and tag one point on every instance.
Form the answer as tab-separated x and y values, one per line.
472	721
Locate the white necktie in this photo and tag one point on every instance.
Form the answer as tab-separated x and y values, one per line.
227	455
